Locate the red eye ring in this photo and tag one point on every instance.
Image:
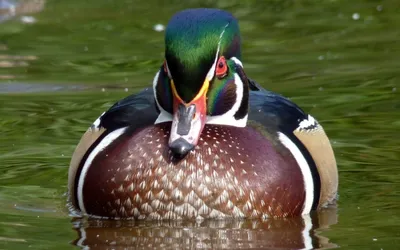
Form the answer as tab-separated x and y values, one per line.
221	67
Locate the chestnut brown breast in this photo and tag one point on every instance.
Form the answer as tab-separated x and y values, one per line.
233	172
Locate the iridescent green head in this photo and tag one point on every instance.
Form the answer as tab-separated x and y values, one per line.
202	80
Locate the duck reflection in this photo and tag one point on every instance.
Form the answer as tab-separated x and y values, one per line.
290	233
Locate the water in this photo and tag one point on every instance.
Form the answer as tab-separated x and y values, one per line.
339	60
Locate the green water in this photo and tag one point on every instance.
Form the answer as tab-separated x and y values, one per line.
339	60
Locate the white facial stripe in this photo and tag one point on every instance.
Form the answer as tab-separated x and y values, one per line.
237	61
168	72
228	117
101	146
211	72
155	81
164	116
305	170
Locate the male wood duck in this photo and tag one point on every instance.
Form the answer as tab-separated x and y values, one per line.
204	142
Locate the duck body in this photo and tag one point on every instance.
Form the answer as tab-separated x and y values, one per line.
262	156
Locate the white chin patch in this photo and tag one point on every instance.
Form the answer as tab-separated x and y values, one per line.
164	116
225	120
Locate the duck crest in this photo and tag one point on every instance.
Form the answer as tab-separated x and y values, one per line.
192	41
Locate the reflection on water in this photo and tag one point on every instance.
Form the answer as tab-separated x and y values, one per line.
290	233
37	88
12	8
15	61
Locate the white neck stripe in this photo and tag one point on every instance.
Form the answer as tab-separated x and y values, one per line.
164	116
100	147
305	170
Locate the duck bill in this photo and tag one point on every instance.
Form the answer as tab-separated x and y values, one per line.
188	121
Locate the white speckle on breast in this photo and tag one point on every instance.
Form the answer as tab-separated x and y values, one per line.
177	194
127	177
188	183
248	206
128	202
142	185
229	205
148	173
215	214
146	208
149	195
241	192
237	213
135	212
178	176
254	214
161	195
137	198
171	206
252	196
130	187
215	174
156	204
204	210
155	184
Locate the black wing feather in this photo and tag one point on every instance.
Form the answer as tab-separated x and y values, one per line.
136	110
273	110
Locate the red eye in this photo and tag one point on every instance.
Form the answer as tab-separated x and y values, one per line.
221	68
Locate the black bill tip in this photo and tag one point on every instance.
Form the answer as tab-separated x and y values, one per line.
180	148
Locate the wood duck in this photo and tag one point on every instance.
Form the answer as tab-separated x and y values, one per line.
204	142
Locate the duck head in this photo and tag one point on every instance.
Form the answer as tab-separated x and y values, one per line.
201	80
